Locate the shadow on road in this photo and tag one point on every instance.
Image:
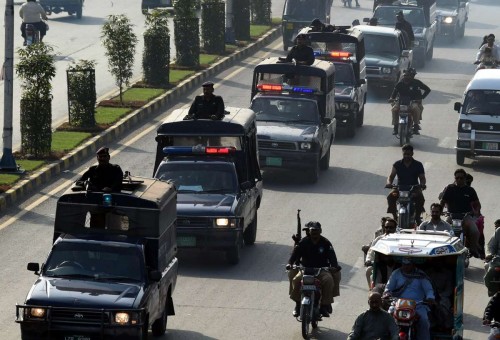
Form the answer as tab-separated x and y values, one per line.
326	333
85	20
185	335
484	164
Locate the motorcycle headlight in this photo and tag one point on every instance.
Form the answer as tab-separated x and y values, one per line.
466	126
344	106
448	20
305	146
404	314
386	70
403	107
404	194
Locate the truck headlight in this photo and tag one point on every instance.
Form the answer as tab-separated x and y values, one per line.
225	222
448	20
122	318
386	70
305	146
37	312
466	126
344	106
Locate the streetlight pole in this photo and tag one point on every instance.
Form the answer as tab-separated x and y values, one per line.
8	163
230	38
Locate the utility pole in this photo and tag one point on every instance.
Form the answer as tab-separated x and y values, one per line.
230	38
8	163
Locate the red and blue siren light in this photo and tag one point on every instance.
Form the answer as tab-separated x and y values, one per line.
198	150
285	88
340	55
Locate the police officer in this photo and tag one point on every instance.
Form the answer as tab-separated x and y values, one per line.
303	54
208	105
405	27
105	176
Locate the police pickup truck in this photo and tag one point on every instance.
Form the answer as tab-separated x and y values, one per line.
422	16
451	18
214	165
112	270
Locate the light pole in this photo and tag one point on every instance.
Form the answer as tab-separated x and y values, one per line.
230	38
8	163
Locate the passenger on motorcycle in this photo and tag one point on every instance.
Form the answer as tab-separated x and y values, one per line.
492	252
492	313
374	323
490	43
32	13
409	282
315	251
411	88
436	223
390	227
488	60
459	198
410	172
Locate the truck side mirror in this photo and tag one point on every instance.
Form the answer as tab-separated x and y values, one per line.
246	185
457	106
33	267
405	53
326	120
155	275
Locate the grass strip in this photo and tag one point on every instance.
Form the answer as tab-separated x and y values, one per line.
207	59
30	165
64	141
137	94
258	30
7	180
178	75
109	115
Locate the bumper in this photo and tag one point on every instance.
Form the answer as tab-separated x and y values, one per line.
382	80
209	237
287	159
479	143
446	29
343	117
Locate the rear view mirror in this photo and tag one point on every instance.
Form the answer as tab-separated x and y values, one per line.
457	106
405	53
326	120
33	267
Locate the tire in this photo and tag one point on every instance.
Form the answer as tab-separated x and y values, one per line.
250	234
159	327
324	163
402	133
305	320
351	127
233	255
460	157
313	173
79	11
361	117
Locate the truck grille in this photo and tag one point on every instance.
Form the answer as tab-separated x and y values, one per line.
485	127
79	316
275	145
194	222
372	70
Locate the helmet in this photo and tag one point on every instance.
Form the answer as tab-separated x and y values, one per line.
410	71
314	225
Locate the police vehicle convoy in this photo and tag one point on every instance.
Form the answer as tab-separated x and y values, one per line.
112	270
295	107
214	165
346	49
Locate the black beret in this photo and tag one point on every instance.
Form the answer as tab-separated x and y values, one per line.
103	151
208	84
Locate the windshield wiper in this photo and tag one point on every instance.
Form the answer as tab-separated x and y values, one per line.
215	191
115	278
79	276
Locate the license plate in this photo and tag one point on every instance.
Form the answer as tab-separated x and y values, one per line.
186	241
309	287
490	146
274	161
76	337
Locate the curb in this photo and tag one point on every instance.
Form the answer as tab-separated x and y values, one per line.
126	124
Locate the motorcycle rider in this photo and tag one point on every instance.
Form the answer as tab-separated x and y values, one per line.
33	13
374	323
405	27
436	223
315	251
410	172
492	253
492	313
490	43
487	60
409	88
409	282
460	198
390	227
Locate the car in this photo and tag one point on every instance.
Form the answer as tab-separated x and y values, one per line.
151	4
214	165
112	270
451	18
387	55
479	117
424	23
58	6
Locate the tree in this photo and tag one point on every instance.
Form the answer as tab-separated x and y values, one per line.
36	68
261	12
156	54
119	40
241	11
213	26
81	93
187	34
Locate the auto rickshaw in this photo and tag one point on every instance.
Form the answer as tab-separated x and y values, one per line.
442	257
300	13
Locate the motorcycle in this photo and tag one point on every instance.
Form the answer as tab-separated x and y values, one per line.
310	298
32	35
405	122
495	330
404	312
492	277
456	221
406	206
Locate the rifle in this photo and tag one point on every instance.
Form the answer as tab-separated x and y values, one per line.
297	237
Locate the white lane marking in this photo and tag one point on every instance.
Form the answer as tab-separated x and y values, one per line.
66	183
357	266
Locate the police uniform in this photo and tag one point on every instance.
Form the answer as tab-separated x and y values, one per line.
104	175
205	108
301	53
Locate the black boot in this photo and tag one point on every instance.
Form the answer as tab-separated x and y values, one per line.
296	310
395	131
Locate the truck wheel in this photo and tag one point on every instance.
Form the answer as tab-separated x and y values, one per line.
460	157
79	12
233	255
159	327
324	163
361	117
250	233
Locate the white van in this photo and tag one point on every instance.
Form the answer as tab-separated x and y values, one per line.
479	122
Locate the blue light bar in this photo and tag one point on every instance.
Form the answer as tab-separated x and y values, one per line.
178	150
317	53
303	89
107	200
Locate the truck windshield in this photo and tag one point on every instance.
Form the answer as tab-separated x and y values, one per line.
344	74
447	3
285	110
482	102
387	16
95	261
381	45
320	46
305	10
195	177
